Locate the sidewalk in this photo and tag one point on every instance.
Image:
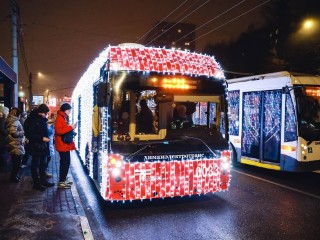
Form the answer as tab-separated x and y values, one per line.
30	214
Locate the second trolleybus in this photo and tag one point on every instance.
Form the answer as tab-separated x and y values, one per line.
275	121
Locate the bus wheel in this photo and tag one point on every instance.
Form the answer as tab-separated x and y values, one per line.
234	157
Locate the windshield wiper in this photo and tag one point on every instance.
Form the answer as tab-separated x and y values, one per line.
148	144
157	142
199	139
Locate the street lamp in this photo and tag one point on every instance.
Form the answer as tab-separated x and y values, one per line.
309	26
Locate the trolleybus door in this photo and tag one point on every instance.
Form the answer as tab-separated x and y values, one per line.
261	125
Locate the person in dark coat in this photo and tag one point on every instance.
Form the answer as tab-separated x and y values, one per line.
26	156
36	131
145	118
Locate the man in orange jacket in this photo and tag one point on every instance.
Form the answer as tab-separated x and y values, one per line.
62	127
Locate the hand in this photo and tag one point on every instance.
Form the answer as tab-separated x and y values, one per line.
45	139
74	125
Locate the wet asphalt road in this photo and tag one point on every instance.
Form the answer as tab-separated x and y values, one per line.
260	204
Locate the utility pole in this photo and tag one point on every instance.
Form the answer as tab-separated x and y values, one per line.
30	91
15	94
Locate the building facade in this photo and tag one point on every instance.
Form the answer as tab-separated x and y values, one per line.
8	78
172	35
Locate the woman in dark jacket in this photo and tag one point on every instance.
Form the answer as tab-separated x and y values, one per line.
36	131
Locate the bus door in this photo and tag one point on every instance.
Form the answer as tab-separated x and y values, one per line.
261	128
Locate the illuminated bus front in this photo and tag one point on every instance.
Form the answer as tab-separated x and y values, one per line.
153	123
176	156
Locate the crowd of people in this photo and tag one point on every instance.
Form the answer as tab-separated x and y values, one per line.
24	136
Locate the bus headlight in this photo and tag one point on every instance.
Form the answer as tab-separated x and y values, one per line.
115	159
116	172
118	164
225	166
224	159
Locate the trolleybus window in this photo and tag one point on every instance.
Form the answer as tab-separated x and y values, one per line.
290	124
164	97
308	112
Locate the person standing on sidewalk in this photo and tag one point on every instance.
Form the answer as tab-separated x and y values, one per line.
15	142
4	111
62	127
51	146
26	156
36	131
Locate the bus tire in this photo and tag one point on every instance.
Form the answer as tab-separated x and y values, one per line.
234	156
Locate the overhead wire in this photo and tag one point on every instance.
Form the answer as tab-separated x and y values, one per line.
181	13
162	20
178	22
185	10
250	10
216	17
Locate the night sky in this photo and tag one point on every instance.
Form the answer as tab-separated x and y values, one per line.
62	37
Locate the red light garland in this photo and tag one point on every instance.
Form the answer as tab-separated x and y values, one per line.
163	60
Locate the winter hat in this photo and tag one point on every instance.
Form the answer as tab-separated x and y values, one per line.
43	108
4	109
65	106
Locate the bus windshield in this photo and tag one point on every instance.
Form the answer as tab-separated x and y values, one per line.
160	112
308	104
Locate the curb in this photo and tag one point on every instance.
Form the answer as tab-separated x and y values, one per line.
85	226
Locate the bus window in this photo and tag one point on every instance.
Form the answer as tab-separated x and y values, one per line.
200	116
308	112
290	127
121	113
234	100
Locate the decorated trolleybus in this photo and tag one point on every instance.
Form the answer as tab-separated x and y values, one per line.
275	121
175	156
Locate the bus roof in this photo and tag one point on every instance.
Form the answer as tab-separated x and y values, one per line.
296	78
136	58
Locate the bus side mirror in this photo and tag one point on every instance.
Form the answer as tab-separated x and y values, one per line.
285	90
103	95
299	105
